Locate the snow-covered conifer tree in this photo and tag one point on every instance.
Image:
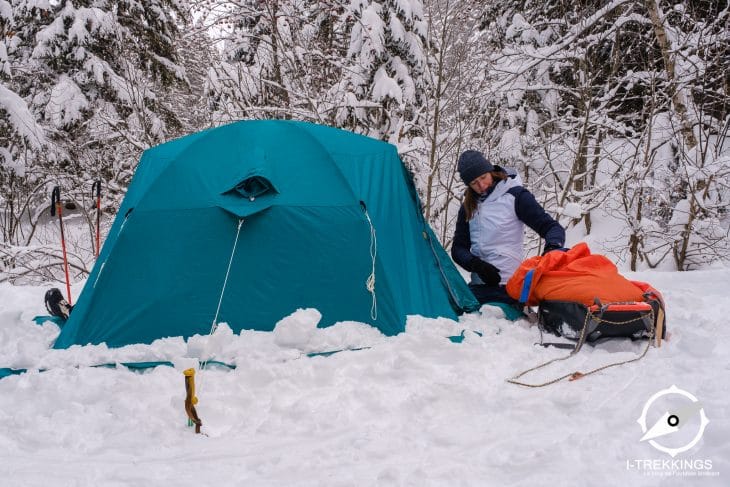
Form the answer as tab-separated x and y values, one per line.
91	82
383	83
23	138
106	64
279	58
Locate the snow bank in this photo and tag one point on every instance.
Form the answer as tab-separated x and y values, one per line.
414	409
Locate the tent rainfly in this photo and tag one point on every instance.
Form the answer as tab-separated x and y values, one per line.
248	222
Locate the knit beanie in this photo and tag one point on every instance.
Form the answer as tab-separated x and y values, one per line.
473	164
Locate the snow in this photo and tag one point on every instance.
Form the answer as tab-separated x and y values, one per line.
6	10
385	87
509	147
86	21
21	119
404	77
572	210
414	409
369	34
397	30
66	104
4	64
521	27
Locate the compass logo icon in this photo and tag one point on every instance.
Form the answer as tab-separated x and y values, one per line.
677	421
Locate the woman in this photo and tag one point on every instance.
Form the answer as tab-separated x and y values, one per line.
488	240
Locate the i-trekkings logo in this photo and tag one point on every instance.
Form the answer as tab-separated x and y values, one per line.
680	415
672	421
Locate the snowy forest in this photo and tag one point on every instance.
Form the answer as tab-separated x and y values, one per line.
616	113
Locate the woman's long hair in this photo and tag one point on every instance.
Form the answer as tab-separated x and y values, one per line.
471	198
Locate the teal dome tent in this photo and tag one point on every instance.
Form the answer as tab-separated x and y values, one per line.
289	215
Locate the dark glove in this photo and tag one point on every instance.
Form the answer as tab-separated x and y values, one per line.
551	247
486	272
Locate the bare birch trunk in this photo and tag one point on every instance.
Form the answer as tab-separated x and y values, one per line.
677	95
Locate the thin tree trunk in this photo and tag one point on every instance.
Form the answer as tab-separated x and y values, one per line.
278	79
436	127
677	94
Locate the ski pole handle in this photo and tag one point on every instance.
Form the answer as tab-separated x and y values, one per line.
55	200
96	189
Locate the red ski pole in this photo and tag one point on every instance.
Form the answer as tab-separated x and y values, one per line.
97	187
56	207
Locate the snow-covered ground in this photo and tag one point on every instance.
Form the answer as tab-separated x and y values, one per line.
415	409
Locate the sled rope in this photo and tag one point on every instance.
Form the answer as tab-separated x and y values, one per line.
581	341
370	283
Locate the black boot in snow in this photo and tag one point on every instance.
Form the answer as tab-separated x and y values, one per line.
56	305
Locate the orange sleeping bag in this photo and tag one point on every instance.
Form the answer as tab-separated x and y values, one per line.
575	275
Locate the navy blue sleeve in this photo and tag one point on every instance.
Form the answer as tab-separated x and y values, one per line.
534	216
461	244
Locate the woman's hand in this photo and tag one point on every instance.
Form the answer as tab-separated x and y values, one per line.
486	272
551	247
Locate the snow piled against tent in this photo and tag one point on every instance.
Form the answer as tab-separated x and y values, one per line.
413	409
